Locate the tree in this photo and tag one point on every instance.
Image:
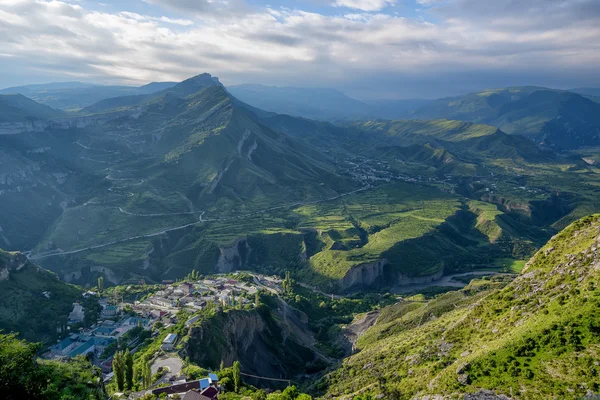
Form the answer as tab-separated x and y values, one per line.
259	395
256	299
237	377
128	369
101	284
288	283
147	374
290	393
222	366
118	365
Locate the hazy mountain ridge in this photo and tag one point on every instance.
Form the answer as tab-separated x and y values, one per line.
18	108
77	95
528	111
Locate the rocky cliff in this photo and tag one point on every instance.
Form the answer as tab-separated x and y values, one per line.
268	341
11	262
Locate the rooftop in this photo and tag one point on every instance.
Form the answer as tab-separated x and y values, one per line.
171	337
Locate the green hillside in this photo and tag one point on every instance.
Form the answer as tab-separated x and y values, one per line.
34	301
535	338
559	119
23	376
18	108
153	186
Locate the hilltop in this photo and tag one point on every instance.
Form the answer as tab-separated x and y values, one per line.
559	119
536	337
18	108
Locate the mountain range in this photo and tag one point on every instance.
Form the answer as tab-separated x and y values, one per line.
72	96
498	189
188	177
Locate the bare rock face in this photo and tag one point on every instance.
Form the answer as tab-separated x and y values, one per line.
233	257
273	343
10	262
364	274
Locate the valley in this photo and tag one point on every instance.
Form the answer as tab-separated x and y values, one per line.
352	259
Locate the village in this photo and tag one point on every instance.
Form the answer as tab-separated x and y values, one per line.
123	323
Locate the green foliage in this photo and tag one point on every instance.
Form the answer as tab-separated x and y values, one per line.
24	377
536	337
118	365
237	377
34	301
128	369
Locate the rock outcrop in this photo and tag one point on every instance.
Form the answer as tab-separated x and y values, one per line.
272	342
11	262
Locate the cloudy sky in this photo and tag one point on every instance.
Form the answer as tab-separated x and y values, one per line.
367	48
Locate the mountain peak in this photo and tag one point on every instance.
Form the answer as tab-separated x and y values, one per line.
195	83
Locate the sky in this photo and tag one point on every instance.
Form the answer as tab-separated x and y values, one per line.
366	48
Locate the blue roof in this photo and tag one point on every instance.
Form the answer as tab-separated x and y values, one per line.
204	383
66	342
82	349
213	377
105	329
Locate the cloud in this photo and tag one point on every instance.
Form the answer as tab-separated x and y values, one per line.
364	5
361	50
205	8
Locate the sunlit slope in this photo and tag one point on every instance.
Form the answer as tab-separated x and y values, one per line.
537	338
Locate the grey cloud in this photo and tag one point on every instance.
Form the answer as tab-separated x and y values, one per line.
206	8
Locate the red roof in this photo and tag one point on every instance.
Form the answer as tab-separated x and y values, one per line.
210	392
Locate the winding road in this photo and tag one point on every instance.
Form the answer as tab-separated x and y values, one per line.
40	256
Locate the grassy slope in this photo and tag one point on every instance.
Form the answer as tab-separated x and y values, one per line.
25	309
18	108
537	337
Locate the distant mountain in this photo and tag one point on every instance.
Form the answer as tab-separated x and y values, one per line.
184	88
396	109
587	91
34	301
76	95
18	108
321	103
315	103
530	111
151	164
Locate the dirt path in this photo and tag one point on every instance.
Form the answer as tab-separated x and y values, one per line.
40	256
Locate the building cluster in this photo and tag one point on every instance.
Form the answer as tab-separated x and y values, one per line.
203	389
195	296
108	329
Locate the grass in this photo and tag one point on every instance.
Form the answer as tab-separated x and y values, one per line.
535	337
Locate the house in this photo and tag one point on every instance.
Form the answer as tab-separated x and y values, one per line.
109	311
203	387
169	342
187	288
63	347
191	320
158	313
180	388
77	314
210	393
207	394
162	302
